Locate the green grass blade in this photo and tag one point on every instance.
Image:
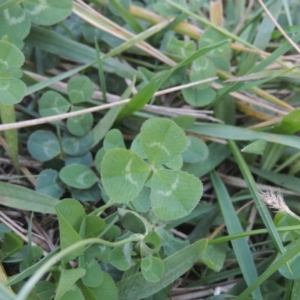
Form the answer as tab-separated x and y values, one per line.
40	85
127	17
11	136
293	251
101	71
261	207
229	132
55	43
241	247
262	37
146	93
5	294
25	199
99	131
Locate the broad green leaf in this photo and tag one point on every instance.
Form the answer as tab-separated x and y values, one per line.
78	176
142	202
12	90
184	122
98	158
162	140
214	256
73	145
152	268
80	89
70	214
72	211
118	259
19	197
86	160
43	145
211	36
11	58
80	125
53	103
48	183
257	147
183	48
107	290
174	194
170	244
73	293
11	244
195	151
66	280
150	245
94	274
91	226
137	287
202	68
47	12
14	22
199	98
289	123
133	221
123	174
146	93
113	139
45	290
137	148
176	163
91	194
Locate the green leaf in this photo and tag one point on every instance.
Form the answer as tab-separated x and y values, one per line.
45	289
91	226
133	221
162	140
26	199
195	151
48	183
94	274
66	280
78	176
80	125
142	202
137	287
113	139
11	244
211	36
80	89
70	214
123	174
12	90
176	163
86	160
73	145
118	259
137	148
214	256
43	145
14	22
152	268
11	58
183	48
199	98
146	93
202	68
47	12
257	147
174	194
289	124
53	103
107	290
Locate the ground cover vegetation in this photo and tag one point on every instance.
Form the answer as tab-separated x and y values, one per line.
149	149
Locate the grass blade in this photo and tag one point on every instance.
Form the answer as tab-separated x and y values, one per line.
240	246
